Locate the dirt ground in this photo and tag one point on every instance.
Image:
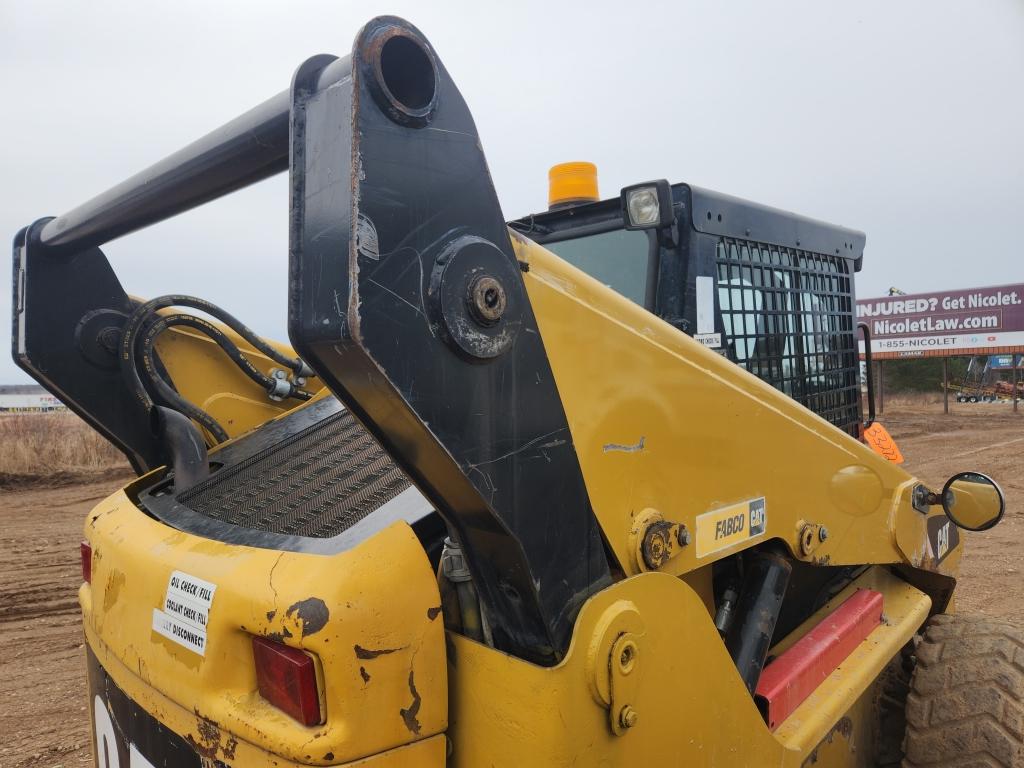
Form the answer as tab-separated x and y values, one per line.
43	717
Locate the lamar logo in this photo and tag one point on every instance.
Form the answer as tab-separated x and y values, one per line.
729	526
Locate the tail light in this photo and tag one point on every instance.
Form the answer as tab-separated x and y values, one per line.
287	679
86	550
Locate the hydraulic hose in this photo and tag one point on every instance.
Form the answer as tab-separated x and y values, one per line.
171	397
130	343
143	311
222	340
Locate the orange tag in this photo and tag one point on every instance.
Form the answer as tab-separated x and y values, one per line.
881	442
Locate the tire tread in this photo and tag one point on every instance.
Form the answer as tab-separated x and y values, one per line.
966	700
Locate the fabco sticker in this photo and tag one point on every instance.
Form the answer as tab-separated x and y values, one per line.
730	525
186	611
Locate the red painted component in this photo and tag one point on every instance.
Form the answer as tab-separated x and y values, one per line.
85	549
793	676
287	679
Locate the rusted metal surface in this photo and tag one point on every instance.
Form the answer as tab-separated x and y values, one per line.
312	615
409	713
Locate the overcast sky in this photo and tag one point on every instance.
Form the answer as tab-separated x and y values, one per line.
902	119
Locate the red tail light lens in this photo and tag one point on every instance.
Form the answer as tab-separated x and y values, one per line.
287	679
86	549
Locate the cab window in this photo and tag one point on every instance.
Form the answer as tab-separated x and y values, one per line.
617	258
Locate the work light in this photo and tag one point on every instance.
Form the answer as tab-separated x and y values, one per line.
647	205
643	207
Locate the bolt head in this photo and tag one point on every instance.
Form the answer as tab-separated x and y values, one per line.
683	537
627	657
822	533
487	299
109	339
628	717
808	537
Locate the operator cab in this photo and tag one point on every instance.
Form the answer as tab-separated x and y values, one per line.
770	290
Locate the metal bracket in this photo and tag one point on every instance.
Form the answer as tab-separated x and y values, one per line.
811	535
656	540
922	499
68	313
613	664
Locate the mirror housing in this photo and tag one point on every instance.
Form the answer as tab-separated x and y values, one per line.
973	501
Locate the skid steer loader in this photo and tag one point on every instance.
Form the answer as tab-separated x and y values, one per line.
584	489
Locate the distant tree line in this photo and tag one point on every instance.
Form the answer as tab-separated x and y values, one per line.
923	374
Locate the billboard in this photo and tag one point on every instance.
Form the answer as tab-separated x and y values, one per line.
945	323
29	403
27	398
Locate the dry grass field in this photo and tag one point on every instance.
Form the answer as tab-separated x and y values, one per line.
53	449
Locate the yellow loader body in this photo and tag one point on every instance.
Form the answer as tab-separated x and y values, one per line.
381	649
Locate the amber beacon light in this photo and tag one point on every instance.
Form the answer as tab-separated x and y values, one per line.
571	184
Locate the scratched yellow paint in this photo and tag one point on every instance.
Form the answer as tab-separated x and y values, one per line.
381	596
708	435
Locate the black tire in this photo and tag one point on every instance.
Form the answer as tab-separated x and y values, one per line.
972	399
966	700
891	708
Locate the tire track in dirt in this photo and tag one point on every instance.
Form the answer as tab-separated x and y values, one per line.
43	716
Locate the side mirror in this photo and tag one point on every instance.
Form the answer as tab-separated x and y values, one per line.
973	501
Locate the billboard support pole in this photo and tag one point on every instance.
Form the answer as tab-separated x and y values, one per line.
881	387
1015	364
945	385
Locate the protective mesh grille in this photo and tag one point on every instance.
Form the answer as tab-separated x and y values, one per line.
788	319
317	482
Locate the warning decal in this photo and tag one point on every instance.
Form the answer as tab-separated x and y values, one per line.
185	612
723	528
713	340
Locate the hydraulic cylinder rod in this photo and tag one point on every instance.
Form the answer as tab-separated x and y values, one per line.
750	634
